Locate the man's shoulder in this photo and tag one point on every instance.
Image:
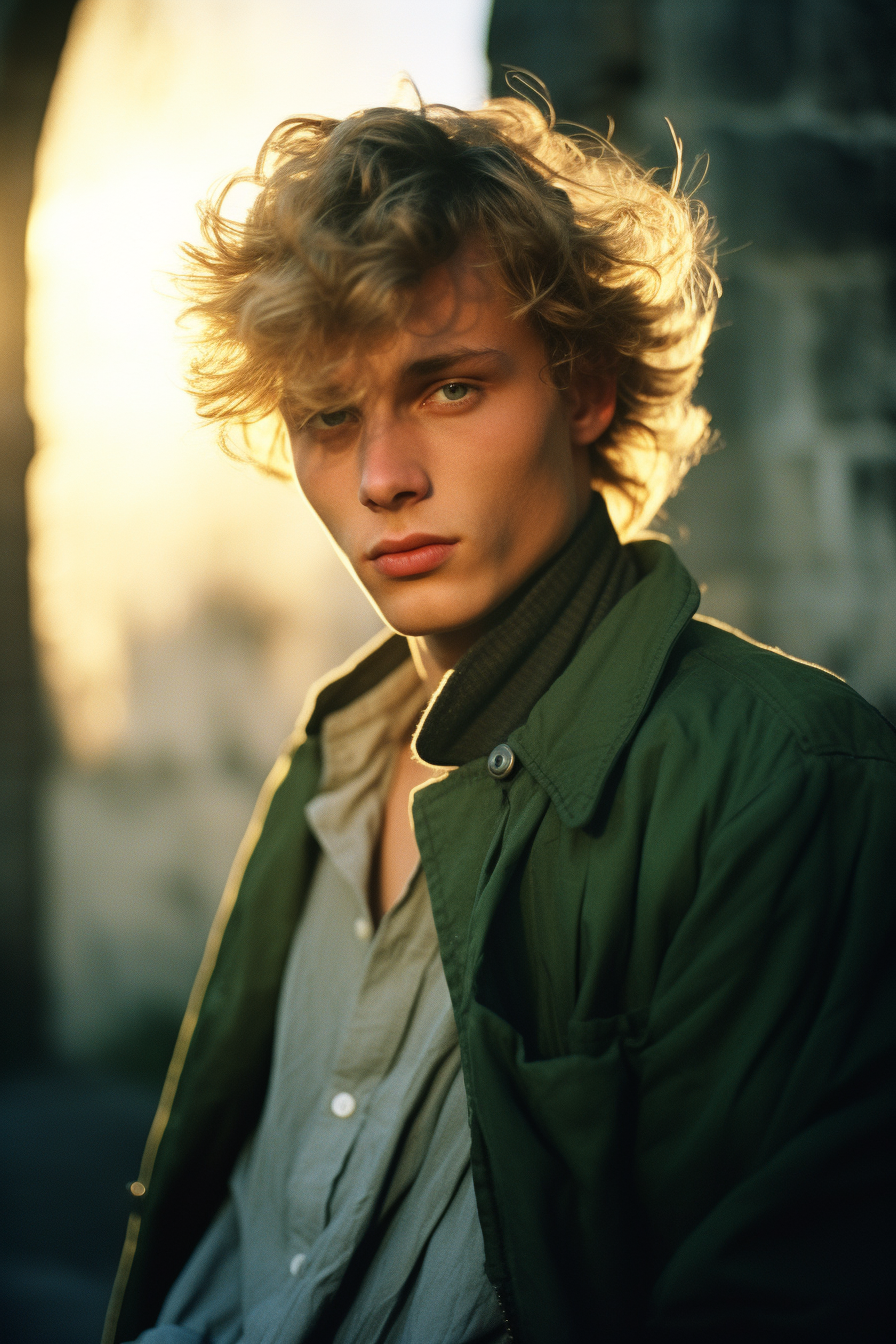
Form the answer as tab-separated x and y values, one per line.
742	692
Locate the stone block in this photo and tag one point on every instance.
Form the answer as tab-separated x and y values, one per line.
742	50
875	493
850	48
587	52
850	351
800	188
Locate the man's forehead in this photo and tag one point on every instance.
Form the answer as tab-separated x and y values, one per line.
406	361
446	323
451	295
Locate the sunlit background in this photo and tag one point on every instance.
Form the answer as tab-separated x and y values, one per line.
182	604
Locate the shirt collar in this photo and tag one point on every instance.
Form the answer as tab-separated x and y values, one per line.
358	746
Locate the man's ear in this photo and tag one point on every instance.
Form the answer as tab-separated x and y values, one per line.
592	405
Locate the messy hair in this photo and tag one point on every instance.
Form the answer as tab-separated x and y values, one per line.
613	270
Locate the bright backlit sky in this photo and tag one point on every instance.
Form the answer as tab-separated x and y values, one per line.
136	518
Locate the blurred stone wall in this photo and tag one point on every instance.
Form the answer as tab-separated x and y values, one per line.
792	524
138	847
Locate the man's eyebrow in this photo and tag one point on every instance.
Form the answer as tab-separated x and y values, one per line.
424	368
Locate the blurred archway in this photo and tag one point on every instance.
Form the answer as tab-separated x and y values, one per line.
182	604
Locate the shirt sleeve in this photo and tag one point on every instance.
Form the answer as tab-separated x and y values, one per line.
204	1305
768	1093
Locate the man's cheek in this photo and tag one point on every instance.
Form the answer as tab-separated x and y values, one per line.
321	495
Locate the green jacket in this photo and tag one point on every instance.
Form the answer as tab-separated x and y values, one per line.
668	937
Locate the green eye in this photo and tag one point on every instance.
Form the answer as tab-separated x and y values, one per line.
455	391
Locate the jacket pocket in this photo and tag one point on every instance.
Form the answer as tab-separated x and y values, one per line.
554	1171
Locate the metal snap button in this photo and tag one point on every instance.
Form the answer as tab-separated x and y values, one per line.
501	761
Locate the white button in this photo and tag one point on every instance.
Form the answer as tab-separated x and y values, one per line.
363	929
343	1105
297	1262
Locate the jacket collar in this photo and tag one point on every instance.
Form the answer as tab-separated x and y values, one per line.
576	731
573	736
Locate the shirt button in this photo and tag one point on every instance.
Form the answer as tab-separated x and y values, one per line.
363	929
296	1263
343	1105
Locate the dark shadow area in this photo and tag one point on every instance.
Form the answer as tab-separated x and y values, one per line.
69	1147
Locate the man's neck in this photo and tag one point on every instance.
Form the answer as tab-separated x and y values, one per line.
434	655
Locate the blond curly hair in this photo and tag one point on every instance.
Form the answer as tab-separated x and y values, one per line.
613	270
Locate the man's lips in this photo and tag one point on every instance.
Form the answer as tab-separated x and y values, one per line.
404	557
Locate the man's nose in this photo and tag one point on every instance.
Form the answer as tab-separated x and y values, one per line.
392	470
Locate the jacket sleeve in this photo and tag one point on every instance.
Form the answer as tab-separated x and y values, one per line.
767	1129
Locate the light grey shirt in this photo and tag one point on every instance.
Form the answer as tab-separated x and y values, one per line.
351	1213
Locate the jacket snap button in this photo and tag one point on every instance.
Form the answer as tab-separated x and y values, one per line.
501	761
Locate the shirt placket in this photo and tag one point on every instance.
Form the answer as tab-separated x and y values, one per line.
399	952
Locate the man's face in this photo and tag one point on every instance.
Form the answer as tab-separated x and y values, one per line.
448	467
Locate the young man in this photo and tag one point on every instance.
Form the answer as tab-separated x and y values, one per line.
592	1042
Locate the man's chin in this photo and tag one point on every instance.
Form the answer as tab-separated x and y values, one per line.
450	613
447	638
426	612
432	630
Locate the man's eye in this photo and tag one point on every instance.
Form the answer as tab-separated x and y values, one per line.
329	419
454	391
